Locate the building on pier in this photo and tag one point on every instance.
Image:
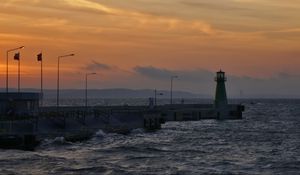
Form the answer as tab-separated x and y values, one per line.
19	104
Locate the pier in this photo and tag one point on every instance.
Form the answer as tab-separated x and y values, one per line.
23	122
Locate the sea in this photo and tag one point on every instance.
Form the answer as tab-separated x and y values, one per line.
266	141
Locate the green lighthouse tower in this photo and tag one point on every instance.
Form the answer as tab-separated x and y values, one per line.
221	96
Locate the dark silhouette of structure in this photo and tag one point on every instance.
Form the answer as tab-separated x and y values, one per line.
221	102
221	96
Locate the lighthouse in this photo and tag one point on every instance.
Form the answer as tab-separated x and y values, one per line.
221	101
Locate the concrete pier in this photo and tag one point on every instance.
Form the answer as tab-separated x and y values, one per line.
23	121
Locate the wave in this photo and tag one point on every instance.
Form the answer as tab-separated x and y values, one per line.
100	134
57	141
138	131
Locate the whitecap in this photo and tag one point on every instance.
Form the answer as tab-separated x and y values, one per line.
138	131
100	134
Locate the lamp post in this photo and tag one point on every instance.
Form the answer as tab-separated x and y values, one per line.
58	64
7	53
171	90
155	96
86	87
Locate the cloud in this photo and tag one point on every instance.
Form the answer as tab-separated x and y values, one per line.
153	72
284	34
96	66
50	22
214	6
121	20
142	20
199	75
85	4
12	2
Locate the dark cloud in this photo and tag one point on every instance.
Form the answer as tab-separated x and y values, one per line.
153	72
96	66
184	75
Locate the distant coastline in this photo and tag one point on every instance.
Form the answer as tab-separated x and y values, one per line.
144	93
114	93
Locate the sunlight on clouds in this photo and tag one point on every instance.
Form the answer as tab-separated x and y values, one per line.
174	25
50	22
203	27
146	20
13	2
247	0
239	35
91	5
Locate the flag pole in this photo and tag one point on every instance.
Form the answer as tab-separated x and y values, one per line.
17	58
19	75
40	59
42	91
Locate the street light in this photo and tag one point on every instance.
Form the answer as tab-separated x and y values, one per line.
155	96
58	63
171	91
86	87
7	53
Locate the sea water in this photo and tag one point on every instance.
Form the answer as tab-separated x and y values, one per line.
266	141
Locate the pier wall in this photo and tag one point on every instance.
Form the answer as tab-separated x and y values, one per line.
53	121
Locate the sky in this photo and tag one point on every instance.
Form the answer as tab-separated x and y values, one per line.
141	43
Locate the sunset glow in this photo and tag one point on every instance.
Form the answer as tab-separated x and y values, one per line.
258	39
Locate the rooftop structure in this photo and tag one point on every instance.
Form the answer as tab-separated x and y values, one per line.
19	104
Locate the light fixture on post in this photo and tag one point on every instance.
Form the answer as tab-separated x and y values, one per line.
7	54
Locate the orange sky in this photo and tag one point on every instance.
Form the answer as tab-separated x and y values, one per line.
256	38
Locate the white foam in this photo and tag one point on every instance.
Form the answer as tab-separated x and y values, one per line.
138	131
100	134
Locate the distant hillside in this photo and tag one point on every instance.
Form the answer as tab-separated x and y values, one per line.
144	93
115	93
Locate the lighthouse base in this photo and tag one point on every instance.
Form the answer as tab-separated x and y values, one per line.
194	112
